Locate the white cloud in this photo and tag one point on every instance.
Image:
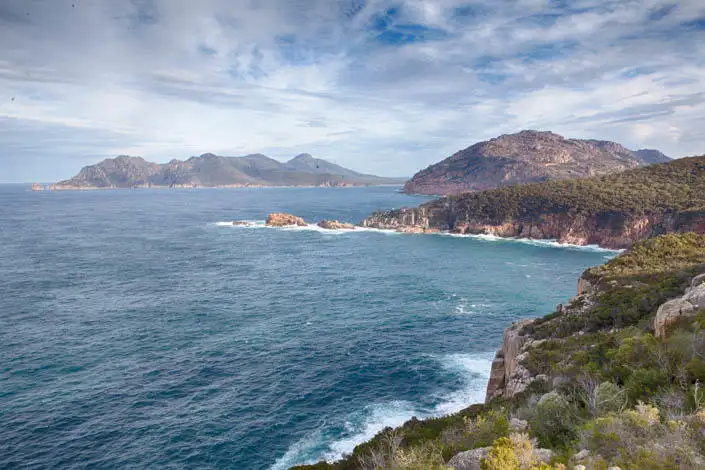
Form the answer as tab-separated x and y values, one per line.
173	78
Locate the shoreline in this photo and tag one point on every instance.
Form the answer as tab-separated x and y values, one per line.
545	243
50	188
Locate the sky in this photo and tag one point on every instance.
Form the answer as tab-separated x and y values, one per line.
380	86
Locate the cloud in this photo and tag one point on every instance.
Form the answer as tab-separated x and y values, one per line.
380	86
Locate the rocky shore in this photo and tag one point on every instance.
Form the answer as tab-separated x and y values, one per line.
612	380
613	211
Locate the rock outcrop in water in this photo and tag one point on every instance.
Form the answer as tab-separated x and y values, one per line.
37	187
335	225
526	157
278	219
612	211
210	170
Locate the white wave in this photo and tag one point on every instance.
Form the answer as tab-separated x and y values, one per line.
486	237
245	224
294	453
463	308
374	419
361	426
475	372
307	228
552	243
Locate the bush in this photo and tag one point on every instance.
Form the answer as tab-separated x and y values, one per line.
480	431
610	398
555	422
501	456
425	457
646	383
638	439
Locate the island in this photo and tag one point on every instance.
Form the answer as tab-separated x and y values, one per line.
213	171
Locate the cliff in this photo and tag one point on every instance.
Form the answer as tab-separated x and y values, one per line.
613	211
591	385
526	157
210	170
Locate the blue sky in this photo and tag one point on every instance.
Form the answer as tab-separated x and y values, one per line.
386	87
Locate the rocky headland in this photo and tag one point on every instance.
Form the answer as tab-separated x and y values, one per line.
526	157
612	211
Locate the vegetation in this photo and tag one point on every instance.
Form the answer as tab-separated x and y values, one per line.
676	187
615	390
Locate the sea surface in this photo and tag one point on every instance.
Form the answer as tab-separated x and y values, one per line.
138	329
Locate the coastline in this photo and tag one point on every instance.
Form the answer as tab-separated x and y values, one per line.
51	187
545	368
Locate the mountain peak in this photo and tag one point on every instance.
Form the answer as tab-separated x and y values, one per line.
525	157
302	157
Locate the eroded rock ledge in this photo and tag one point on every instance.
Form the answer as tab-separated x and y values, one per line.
684	306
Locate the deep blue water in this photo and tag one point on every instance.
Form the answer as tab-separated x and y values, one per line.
137	332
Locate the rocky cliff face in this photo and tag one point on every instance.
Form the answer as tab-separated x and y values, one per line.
525	157
507	376
676	309
616	232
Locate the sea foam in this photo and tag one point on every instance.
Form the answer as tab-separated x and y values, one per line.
549	243
363	425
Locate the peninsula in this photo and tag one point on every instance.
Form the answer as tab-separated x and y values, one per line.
613	211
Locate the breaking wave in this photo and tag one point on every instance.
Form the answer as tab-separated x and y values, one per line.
363	425
490	238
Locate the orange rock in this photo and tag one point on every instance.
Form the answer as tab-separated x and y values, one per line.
335	225
280	219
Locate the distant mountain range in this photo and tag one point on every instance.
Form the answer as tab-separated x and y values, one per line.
527	157
211	170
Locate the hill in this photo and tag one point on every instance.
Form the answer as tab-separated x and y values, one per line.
526	157
612	211
209	170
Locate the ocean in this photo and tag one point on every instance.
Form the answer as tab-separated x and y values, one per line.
139	329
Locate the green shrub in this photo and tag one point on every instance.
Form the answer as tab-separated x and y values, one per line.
555	422
638	439
480	431
610	398
646	383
